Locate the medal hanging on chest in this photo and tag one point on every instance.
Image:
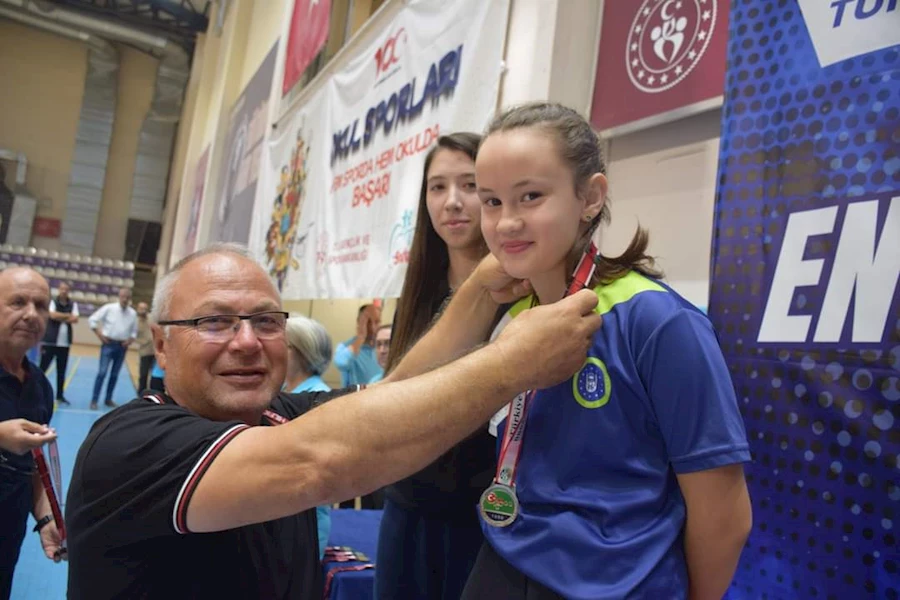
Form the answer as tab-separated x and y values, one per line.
499	505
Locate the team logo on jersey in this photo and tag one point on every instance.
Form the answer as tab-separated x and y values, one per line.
591	385
667	40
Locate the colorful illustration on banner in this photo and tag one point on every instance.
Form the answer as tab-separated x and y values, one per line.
283	229
401	238
667	40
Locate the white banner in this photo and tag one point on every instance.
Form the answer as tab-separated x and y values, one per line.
341	182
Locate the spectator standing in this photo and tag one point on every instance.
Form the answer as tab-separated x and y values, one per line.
58	339
26	405
116	326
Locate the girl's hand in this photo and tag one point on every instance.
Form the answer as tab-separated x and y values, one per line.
502	287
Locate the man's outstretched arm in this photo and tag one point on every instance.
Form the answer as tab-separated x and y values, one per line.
358	443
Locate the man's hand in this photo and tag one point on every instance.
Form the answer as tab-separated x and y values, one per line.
548	344
20	435
51	543
502	287
126	343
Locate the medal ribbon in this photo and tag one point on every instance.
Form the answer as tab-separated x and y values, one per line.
511	449
512	439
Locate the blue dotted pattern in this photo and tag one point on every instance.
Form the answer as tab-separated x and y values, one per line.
823	421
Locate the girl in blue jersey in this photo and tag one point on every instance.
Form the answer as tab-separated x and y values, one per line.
627	481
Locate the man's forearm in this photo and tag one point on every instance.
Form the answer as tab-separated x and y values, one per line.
366	440
465	324
40	502
357	344
367	447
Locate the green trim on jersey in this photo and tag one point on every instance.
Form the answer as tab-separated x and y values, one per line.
624	289
609	295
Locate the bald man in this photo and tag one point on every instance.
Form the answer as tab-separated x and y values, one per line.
26	405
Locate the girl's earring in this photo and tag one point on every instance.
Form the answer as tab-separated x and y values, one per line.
588	218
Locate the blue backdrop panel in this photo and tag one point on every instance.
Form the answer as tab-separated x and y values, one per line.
806	252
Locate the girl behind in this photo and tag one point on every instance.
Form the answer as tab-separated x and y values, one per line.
429	532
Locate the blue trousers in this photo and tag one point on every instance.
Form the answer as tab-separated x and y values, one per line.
423	557
111	357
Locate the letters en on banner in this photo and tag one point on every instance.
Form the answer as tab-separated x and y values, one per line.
805	299
339	192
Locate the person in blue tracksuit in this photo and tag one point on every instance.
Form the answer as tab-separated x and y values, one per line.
628	480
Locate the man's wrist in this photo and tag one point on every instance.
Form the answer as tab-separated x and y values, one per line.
42	522
493	359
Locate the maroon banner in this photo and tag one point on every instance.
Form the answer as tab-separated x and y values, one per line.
309	31
657	60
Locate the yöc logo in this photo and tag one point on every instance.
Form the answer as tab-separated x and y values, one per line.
386	56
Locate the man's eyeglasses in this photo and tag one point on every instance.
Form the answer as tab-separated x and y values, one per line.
221	328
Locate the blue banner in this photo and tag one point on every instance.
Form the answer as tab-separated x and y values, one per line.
806	259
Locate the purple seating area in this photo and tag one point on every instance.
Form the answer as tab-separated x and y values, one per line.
95	281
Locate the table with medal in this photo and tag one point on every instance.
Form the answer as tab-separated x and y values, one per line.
348	567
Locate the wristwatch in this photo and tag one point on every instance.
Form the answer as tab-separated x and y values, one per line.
42	522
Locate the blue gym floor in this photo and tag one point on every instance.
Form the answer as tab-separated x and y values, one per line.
36	577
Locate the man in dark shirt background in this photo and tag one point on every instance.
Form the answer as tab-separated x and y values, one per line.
26	405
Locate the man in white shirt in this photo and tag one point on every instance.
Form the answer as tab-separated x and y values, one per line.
58	339
116	326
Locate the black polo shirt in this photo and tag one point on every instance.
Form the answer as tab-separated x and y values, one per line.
131	486
32	400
